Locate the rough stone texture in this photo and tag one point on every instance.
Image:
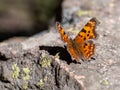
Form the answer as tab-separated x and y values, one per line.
28	57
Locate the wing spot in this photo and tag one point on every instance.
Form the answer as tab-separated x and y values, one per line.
84	47
87	34
64	33
89	25
81	36
84	38
83	30
88	31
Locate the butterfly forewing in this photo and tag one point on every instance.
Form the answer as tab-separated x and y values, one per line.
87	32
70	44
64	36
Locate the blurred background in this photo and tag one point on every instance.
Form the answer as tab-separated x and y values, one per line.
28	17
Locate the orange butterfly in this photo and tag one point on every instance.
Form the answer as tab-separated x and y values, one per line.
81	47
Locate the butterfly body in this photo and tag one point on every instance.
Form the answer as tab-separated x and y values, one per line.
73	49
82	46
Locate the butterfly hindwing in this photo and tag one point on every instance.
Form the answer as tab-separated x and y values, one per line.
73	52
87	50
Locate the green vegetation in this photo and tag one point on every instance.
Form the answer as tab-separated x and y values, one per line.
16	71
41	82
45	79
26	74
83	13
104	82
25	86
57	55
45	62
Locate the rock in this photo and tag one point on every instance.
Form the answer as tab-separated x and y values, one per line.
36	63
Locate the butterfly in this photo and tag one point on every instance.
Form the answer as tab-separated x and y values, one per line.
82	46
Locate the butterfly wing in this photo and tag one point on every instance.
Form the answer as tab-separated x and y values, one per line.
70	46
80	47
87	50
64	36
85	45
88	31
73	52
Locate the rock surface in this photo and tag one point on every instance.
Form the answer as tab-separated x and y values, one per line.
42	62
